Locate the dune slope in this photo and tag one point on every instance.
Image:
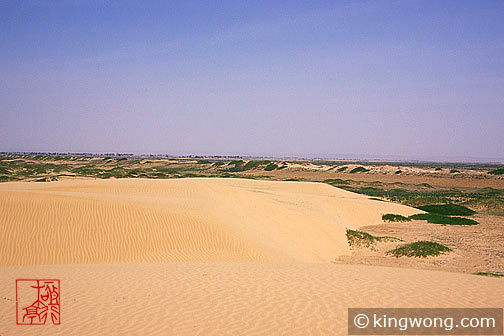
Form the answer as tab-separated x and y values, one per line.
140	220
234	298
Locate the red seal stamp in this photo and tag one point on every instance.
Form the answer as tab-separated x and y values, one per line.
37	301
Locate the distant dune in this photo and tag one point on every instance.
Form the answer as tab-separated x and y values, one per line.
139	220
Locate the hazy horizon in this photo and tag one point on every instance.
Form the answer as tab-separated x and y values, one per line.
419	80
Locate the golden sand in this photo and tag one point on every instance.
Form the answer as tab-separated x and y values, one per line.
138	220
205	257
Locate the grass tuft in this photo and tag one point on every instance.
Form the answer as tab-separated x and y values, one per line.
363	239
394	218
421	248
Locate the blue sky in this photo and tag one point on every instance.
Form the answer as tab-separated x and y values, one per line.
381	79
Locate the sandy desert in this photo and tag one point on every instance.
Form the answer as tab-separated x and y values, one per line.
206	256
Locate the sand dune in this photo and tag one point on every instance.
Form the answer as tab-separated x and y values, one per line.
255	258
234	298
140	220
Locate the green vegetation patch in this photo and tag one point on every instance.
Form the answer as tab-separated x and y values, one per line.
412	197
218	163
394	218
358	170
490	205
442	219
363	239
499	171
271	167
86	171
238	166
447	209
192	175
256	163
490	274
336	181
421	249
342	169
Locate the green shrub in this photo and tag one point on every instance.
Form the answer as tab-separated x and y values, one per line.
454	171
394	218
447	209
442	219
419	249
342	169
271	167
203	162
358	170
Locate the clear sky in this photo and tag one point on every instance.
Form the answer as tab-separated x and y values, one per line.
383	79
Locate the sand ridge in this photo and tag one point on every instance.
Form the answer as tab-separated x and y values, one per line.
195	219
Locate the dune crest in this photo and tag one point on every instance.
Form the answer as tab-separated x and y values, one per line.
140	220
